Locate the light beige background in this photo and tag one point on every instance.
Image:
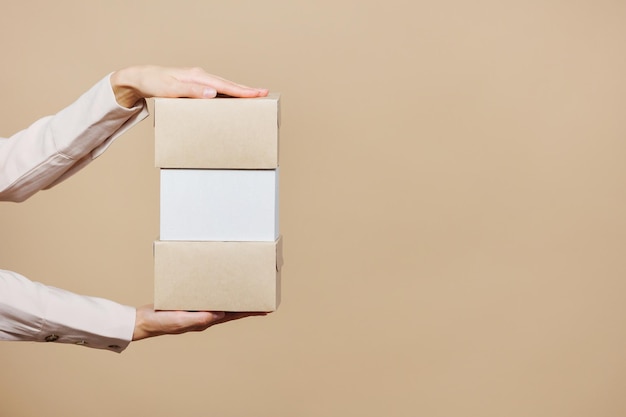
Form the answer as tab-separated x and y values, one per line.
453	206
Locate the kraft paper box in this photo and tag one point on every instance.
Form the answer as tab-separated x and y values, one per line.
217	276
219	133
223	205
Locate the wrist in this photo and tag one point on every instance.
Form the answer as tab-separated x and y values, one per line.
139	332
126	94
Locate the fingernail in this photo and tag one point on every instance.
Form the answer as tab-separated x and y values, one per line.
218	315
209	92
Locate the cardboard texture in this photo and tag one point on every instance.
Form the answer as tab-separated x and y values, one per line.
220	133
220	205
217	276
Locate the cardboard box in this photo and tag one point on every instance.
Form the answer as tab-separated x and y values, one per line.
217	276
223	205
219	133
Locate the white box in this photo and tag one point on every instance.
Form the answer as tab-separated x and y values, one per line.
219	205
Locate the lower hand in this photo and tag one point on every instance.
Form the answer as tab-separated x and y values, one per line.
150	323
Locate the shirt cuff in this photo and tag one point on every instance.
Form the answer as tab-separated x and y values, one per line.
87	321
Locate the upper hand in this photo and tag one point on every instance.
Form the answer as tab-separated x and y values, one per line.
135	83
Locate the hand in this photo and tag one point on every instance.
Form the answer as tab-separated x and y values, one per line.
150	323
135	83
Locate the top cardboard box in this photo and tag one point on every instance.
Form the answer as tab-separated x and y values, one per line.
219	133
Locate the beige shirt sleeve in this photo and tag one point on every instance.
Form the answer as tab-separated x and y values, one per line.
46	153
31	311
55	147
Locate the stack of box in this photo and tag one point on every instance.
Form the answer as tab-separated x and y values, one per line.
219	247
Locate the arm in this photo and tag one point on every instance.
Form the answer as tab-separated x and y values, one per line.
30	311
55	147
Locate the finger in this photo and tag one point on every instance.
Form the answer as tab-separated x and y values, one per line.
223	86
205	317
231	316
179	88
198	321
210	91
234	90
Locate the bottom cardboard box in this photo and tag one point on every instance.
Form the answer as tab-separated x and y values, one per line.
217	276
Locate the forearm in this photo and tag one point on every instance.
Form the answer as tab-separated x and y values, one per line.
56	146
30	311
